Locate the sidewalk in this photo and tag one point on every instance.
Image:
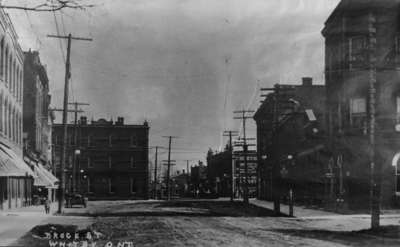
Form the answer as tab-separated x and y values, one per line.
309	213
29	211
298	211
15	223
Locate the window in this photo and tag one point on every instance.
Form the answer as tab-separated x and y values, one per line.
90	187
2	57
133	140
109	162
132	162
358	106
111	187
133	185
398	109
357	46
6	67
89	162
358	114
110	140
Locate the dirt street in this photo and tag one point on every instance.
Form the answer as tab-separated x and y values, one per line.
208	223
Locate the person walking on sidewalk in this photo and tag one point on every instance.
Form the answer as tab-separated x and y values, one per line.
47	205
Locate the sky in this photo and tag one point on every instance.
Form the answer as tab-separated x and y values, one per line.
182	65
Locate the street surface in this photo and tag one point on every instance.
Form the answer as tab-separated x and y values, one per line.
207	223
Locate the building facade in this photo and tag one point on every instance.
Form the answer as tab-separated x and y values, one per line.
199	184
15	178
105	159
36	108
362	60
219	172
36	127
290	131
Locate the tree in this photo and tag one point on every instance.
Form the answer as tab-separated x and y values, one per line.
51	5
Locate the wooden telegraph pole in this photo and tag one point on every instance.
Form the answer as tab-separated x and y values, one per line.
375	164
155	171
169	165
65	115
74	164
243	117
230	134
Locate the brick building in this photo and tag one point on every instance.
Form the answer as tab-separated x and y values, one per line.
112	161
219	171
36	127
198	180
362	51
290	127
15	176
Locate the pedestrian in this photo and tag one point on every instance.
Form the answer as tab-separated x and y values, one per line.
47	206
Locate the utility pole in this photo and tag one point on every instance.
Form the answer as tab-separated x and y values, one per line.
169	165
375	166
231	133
187	173
244	117
74	164
65	115
75	111
155	171
281	96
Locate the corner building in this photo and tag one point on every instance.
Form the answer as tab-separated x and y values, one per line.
112	161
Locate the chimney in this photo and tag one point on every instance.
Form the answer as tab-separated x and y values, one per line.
120	121
83	120
307	81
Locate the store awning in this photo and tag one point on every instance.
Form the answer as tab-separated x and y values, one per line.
44	177
11	164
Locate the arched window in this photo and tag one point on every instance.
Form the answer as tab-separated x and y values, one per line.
15	126
13	81
10	72
2	57
1	111
21	83
9	120
6	67
5	118
17	83
20	128
16	80
20	93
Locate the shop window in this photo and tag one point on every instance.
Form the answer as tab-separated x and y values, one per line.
111	185
90	186
397	174
133	185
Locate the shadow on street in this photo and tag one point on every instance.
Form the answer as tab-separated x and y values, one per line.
191	208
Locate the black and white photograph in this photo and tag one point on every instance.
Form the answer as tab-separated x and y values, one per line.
128	123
